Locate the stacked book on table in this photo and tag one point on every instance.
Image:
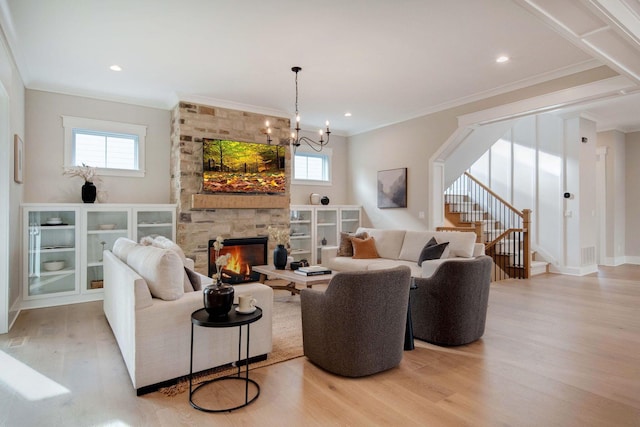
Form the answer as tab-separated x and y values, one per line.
312	270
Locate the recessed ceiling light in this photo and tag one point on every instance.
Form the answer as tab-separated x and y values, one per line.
115	68
347	114
501	59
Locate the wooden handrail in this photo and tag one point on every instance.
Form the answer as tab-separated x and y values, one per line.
488	190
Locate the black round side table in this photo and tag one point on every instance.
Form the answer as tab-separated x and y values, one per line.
201	318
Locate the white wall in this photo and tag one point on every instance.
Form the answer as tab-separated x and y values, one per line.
548	207
614	211
11	193
44	150
339	188
632	217
405	145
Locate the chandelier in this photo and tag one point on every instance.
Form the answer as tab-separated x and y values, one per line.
296	140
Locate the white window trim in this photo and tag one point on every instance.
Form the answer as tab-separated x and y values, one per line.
307	150
69	123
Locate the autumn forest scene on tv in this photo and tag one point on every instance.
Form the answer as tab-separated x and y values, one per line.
242	167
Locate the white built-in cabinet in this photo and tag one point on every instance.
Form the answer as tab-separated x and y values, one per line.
63	258
315	226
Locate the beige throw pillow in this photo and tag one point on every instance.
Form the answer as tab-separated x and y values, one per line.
162	269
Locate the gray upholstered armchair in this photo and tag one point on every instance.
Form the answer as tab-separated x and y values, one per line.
356	327
450	307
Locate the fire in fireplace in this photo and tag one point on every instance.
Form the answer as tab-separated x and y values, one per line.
245	253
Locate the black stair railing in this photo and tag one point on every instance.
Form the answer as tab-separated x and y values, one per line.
505	229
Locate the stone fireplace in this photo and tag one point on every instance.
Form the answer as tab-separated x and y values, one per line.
203	217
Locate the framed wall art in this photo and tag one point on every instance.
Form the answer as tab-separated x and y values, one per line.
18	159
392	188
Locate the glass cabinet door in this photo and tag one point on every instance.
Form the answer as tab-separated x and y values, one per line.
326	230
51	255
103	227
349	219
300	241
154	222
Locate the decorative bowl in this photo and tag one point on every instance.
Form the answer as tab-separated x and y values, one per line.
54	221
106	226
53	265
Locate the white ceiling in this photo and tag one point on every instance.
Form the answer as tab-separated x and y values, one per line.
383	61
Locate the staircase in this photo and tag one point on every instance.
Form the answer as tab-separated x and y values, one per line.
502	228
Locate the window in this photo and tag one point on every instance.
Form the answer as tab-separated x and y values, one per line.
114	148
310	167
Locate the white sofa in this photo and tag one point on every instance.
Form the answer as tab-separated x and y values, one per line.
403	247
154	334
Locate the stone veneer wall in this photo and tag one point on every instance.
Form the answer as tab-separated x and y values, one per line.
189	125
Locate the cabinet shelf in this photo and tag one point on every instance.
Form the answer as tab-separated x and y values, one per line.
115	231
300	252
303	237
65	272
44	227
56	249
159	224
326	224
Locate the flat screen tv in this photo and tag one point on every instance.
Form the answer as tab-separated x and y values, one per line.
242	167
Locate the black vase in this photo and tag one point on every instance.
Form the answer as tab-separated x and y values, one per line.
89	192
218	299
280	257
324	200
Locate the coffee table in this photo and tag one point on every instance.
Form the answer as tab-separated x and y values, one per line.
269	271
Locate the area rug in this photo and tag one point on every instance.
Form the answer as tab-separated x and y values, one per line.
287	343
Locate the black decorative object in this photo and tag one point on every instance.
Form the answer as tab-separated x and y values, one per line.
280	257
218	299
89	192
324	241
324	200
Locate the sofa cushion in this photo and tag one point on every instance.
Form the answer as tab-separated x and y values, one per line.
383	264
388	242
364	248
162	269
164	243
121	248
461	243
432	250
346	247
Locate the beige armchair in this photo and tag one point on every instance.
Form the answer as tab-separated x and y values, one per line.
357	326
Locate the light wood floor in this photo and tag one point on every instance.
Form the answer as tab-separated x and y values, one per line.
557	351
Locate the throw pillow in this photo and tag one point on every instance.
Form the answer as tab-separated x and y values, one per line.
432	250
164	243
162	269
121	248
346	247
364	248
194	280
